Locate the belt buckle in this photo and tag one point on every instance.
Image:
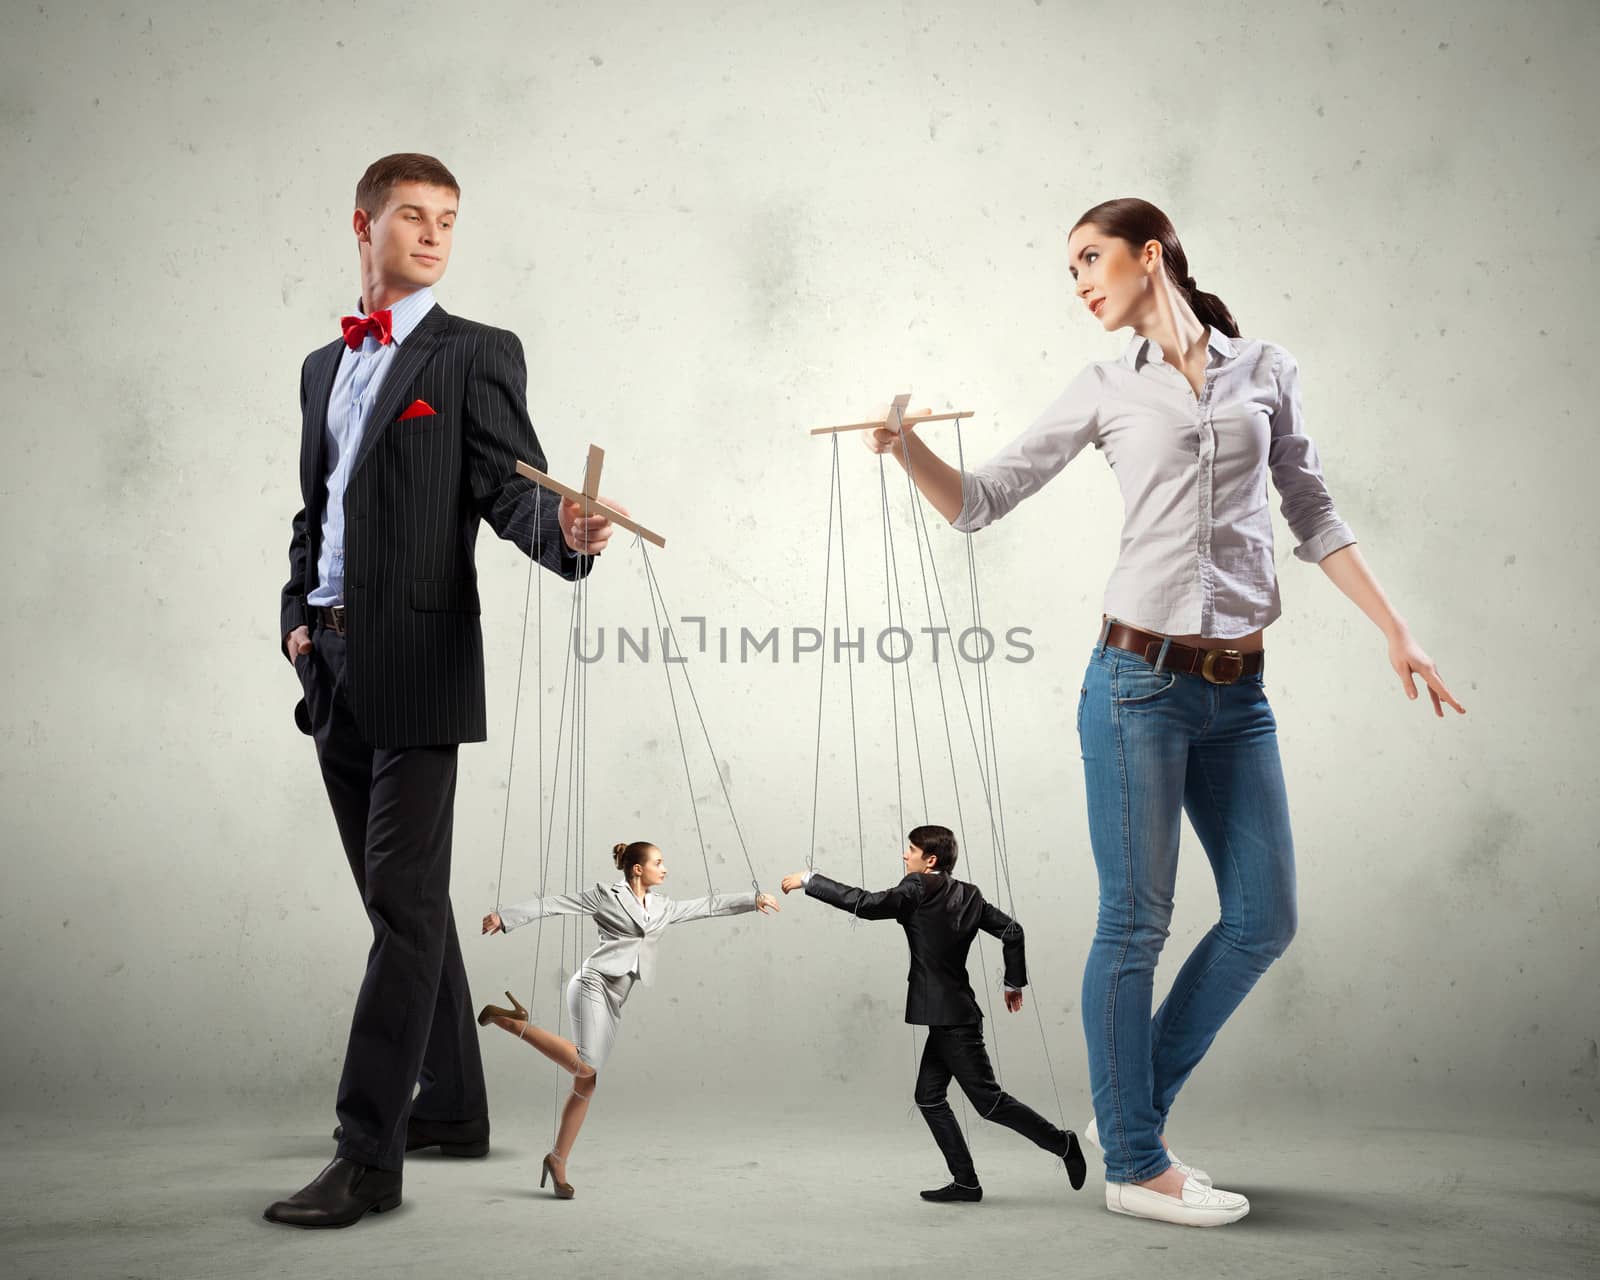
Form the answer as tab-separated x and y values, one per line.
336	613
1208	665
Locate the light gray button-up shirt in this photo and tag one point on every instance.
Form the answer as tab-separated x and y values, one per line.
1197	534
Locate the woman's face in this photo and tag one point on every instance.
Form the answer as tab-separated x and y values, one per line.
1113	281
652	871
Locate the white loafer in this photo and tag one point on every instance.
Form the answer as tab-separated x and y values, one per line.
1188	1170
1092	1137
1200	1206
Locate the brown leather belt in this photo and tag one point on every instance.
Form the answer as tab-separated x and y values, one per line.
332	617
1219	666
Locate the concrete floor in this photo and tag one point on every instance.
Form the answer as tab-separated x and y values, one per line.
673	1195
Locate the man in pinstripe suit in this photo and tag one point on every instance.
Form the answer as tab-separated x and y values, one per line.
412	423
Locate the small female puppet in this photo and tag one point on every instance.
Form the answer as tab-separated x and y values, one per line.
631	919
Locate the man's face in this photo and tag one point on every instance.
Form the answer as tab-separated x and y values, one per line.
916	862
407	246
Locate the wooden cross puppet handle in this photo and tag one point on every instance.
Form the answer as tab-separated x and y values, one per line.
896	418
587	497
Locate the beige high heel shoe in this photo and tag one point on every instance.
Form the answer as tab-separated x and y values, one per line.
563	1190
516	1013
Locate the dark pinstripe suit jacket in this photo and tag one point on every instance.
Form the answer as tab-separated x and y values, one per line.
414	648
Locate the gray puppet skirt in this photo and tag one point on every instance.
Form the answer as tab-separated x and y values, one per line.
594	1004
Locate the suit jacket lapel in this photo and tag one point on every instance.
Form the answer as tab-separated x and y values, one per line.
314	430
630	904
408	362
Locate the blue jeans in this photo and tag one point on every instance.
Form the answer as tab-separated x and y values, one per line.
1157	743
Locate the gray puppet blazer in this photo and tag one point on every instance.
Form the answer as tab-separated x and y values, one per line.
629	935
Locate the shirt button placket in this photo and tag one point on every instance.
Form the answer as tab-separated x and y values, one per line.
1206	478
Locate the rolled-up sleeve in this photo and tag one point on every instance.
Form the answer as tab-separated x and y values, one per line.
1296	471
1023	467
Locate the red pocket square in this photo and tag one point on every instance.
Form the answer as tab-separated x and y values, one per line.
418	409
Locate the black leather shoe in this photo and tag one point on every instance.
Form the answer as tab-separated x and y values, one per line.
338	1196
954	1193
1077	1169
469	1139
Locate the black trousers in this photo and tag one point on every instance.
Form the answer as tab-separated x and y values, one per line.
413	1022
958	1051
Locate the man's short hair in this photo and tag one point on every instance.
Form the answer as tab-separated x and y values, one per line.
936	842
383	176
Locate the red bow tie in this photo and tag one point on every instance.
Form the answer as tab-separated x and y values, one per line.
380	324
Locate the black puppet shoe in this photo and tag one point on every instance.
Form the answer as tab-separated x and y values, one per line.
344	1192
954	1193
1077	1166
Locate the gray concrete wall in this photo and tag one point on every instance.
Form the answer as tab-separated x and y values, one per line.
715	226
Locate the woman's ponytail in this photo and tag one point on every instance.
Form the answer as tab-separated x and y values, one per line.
1209	308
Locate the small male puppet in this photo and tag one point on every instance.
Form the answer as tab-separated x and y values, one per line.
941	916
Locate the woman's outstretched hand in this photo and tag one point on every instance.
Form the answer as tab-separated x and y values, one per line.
1409	661
492	924
766	904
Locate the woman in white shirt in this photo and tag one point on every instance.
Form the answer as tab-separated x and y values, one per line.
631	918
1173	715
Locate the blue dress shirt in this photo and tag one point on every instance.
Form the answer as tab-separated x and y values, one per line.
355	387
